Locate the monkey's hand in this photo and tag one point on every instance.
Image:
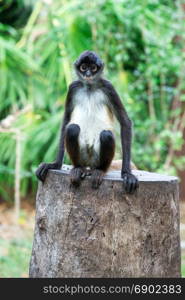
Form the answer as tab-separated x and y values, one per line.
130	182
43	168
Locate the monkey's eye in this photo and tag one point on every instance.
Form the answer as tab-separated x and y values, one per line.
94	68
83	67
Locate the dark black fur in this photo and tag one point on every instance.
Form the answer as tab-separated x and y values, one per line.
106	137
71	141
107	149
89	57
43	168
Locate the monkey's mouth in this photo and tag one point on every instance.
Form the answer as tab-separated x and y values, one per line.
88	78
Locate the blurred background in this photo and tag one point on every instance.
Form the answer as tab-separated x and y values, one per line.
142	43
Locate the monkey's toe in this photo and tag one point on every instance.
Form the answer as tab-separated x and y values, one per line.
130	182
97	178
76	175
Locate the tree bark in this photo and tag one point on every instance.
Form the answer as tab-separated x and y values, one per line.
106	233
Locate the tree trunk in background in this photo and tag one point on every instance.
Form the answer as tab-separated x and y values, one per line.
180	126
181	173
105	232
181	152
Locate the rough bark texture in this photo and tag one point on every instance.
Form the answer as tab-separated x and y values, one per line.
105	232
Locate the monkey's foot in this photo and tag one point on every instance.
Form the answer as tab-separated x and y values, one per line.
76	175
130	182
97	178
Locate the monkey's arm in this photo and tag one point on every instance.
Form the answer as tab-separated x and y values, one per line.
129	180
43	168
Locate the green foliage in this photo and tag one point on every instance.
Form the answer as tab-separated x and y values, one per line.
15	12
182	263
14	258
142	45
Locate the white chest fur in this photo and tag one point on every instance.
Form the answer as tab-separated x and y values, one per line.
92	114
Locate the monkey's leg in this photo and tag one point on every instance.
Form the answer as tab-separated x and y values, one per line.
72	146
107	149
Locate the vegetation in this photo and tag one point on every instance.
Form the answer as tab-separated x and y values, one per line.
15	260
142	44
183	267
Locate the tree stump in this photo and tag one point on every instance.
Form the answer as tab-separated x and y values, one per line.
106	233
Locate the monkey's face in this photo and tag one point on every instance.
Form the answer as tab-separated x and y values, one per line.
88	71
89	67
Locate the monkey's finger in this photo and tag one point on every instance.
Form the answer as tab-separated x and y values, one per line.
137	185
124	182
134	185
44	173
38	174
97	180
129	185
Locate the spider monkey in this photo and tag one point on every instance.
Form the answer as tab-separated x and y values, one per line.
87	128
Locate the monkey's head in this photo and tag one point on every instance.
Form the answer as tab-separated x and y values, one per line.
89	67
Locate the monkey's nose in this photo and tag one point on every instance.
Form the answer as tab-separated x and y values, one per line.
88	73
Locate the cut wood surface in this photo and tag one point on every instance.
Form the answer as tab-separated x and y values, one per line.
81	232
